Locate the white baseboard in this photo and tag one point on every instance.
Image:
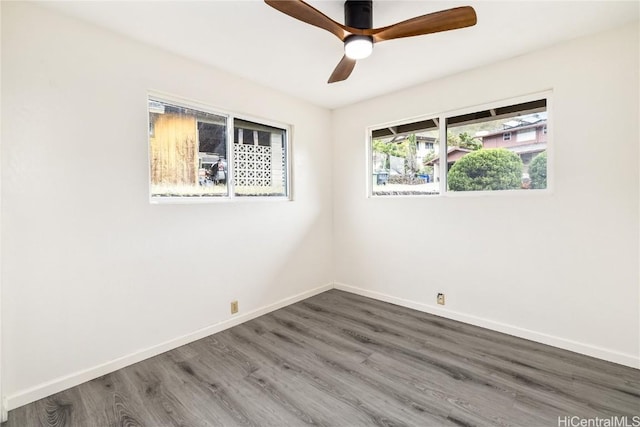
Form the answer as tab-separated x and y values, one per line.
4	412
59	384
586	349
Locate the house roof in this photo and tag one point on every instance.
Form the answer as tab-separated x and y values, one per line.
540	123
450	150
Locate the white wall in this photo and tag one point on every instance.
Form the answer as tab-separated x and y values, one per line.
95	277
560	268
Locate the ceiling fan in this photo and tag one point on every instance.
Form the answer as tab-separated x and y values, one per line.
359	36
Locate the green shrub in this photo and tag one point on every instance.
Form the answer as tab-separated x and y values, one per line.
485	170
538	171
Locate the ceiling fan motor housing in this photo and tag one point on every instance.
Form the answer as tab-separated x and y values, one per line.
358	13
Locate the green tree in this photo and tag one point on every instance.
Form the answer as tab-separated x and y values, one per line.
428	169
411	161
452	139
407	149
469	142
485	170
390	149
463	140
538	171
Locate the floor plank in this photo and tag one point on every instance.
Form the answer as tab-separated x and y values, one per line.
339	359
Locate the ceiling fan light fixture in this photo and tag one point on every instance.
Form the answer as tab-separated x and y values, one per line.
358	47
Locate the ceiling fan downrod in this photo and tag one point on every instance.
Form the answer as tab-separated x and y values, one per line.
358	14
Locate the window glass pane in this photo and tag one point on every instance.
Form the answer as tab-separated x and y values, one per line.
187	151
403	164
489	151
259	159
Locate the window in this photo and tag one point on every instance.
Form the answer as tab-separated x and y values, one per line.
488	149
190	154
526	135
259	154
488	162
403	159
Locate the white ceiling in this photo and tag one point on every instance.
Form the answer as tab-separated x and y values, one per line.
253	40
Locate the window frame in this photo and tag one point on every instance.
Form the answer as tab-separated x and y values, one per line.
230	117
441	118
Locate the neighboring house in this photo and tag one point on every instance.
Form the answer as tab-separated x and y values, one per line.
453	155
425	146
526	138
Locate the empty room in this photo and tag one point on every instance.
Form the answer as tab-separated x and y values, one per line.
288	213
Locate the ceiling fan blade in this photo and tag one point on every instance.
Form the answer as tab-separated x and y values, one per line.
343	70
450	19
306	13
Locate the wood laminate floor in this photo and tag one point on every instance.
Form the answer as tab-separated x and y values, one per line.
338	359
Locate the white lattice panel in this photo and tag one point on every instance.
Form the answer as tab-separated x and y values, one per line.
253	165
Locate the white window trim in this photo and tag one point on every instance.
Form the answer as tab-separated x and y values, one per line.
441	117
369	157
230	116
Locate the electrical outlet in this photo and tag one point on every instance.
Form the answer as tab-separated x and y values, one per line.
441	299
234	307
